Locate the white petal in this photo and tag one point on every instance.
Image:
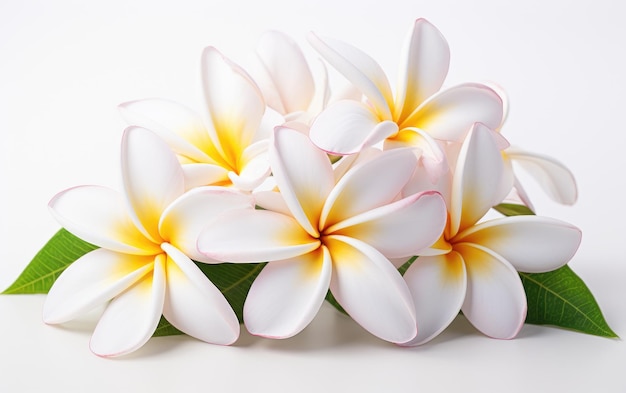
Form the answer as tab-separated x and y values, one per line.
92	280
185	218
131	318
179	126
371	290
152	176
194	305
360	69
234	102
476	185
254	236
271	200
347	127
531	244
255	167
433	157
303	174
400	229
495	302
287	294
369	185
197	175
99	216
288	81
449	114
554	177
438	286
425	66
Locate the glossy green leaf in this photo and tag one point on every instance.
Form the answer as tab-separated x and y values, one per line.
232	279
561	298
511	209
57	254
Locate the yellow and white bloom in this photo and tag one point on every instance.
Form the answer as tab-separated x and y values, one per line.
336	234
420	114
229	147
144	268
473	267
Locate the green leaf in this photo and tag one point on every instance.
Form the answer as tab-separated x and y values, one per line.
511	209
561	298
56	255
232	279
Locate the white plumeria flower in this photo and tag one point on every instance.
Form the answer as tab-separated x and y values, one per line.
229	148
419	115
473	267
335	234
143	267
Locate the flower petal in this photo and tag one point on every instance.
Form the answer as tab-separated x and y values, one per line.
131	318
531	244
433	157
183	221
438	285
360	69
553	177
234	102
254	236
152	177
400	229
495	302
303	174
287	82
426	62
449	114
91	280
99	216
287	294
347	127
197	175
371	290
194	305
476	184
255	167
369	185
180	127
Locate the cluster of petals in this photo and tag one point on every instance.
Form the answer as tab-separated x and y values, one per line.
143	268
251	179
325	231
474	266
420	114
226	147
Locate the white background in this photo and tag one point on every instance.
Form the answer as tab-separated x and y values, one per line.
66	65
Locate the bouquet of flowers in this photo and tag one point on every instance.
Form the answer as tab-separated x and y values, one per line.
284	193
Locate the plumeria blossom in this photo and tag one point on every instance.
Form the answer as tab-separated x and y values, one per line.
334	234
420	114
143	269
229	148
473	267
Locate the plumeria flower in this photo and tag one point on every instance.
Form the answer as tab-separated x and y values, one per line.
335	234
473	267
420	114
143	269
229	148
